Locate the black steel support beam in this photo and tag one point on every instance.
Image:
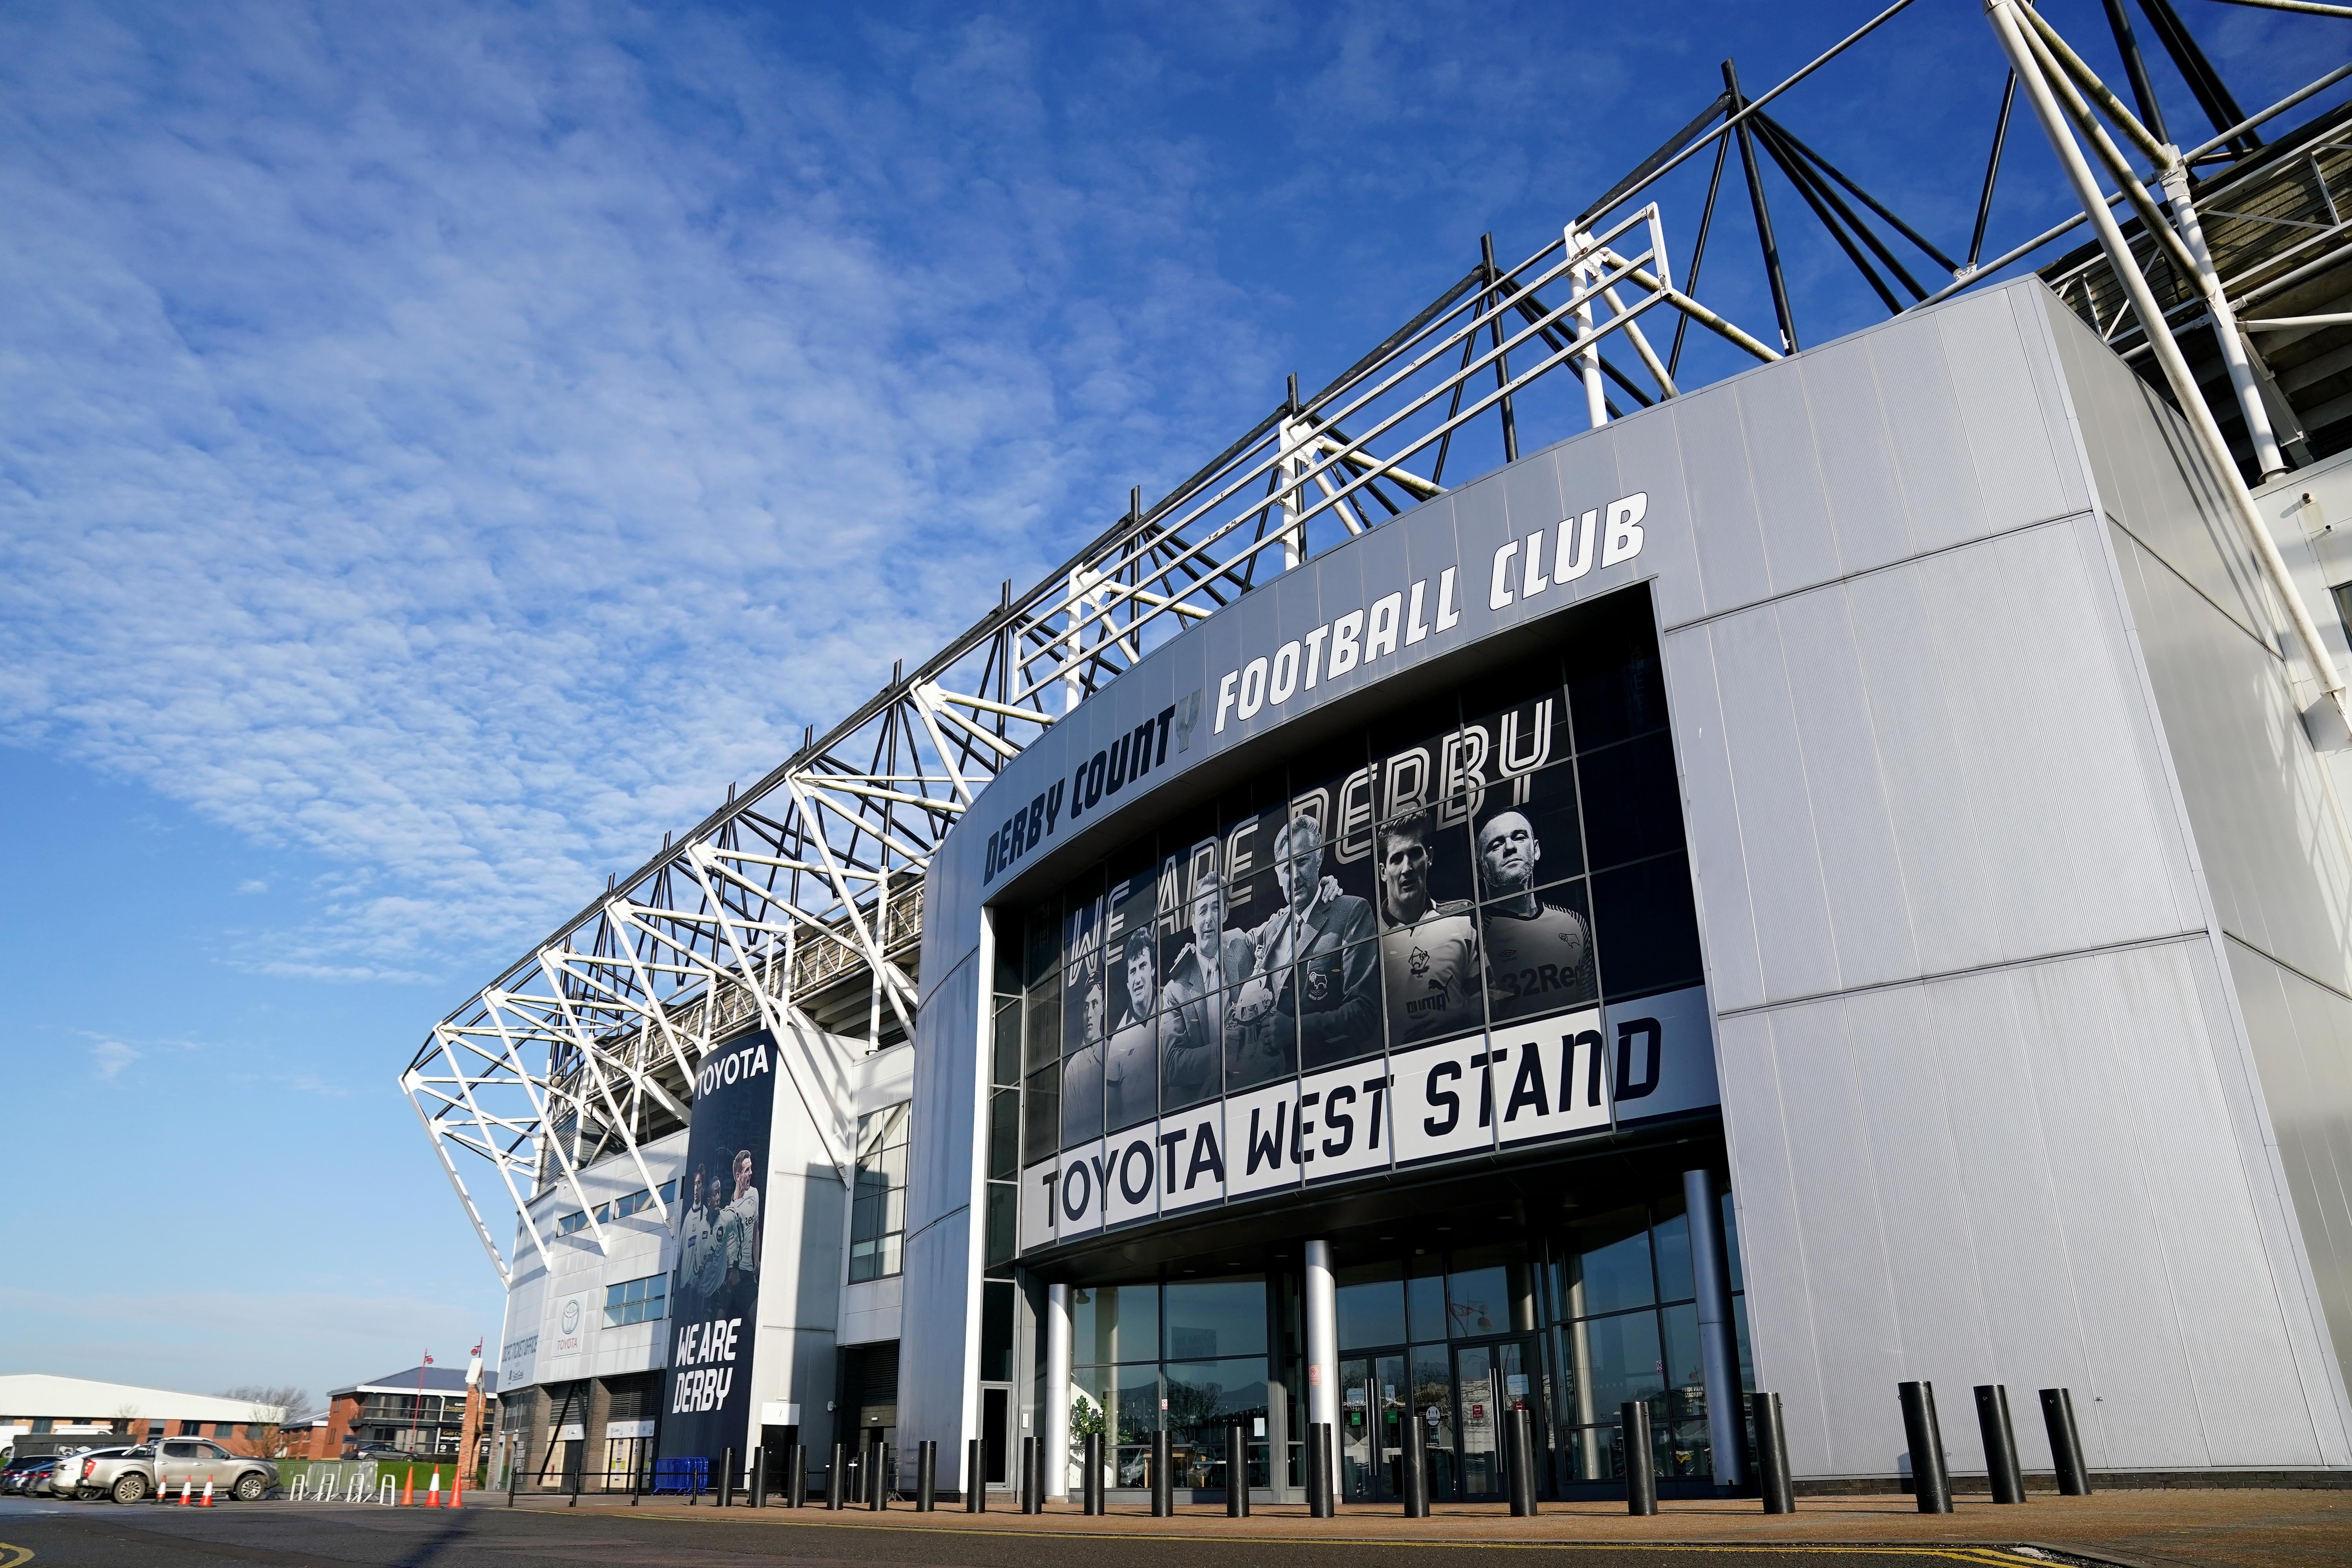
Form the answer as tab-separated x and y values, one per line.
1992	171
2151	112
1763	214
2212	95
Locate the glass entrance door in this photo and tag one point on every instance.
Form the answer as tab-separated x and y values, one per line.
1490	1381
1372	1416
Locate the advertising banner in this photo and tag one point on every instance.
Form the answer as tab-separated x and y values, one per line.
1465	927
706	1407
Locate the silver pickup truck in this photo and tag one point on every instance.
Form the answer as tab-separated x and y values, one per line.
135	1474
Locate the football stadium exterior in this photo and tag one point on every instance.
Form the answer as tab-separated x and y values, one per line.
1840	877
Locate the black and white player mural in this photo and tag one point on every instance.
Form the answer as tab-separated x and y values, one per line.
1467	926
715	1292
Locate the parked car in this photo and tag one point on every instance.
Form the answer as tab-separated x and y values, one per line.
381	1451
30	1477
131	1475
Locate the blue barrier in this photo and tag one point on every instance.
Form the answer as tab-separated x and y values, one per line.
681	1476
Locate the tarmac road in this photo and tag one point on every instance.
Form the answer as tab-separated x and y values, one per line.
45	1534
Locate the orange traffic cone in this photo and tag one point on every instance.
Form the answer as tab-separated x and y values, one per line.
408	1492
184	1492
457	1489
433	1493
206	1500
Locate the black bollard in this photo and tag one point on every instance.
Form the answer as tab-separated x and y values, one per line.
796	1475
1321	1491
975	1485
1090	1475
1414	1463
1633	1447
1163	1475
1931	1483
2000	1443
927	1476
1773	1479
1522	1461
759	1477
878	1477
2065	1443
726	1477
836	1480
1237	1469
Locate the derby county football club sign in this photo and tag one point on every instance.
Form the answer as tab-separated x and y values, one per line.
715	1289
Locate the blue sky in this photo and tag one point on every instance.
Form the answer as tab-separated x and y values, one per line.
446	444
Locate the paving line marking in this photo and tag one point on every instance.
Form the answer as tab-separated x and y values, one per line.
24	1555
1957	1551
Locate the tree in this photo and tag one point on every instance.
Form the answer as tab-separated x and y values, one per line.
272	1404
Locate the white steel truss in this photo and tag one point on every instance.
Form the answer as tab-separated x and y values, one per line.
801	897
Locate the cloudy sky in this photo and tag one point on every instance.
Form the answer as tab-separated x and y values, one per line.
445	443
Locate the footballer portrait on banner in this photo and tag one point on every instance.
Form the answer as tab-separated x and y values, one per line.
1532	916
1430	970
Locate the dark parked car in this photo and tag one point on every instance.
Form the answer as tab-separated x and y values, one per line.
29	1477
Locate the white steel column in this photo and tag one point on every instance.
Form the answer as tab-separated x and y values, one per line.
1057	1390
1322	1339
1718	1334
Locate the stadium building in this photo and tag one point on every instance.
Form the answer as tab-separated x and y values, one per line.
1834	877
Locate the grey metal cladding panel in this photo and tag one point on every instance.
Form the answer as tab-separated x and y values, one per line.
1859	469
2142	1410
1861	871
2150	475
1800	542
2273	850
1941	495
2021	473
942	1152
1856	1315
1650	446
1925	1229
1782	1333
2049	762
1725	524
1711	821
2227	1292
1923	758
2302	1036
2031	1319
935	1331
1788	900
1430	550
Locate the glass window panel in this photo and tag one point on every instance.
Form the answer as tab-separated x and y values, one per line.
1489	1291
1609	1264
1632	800
1338	992
1003	1135
1042	944
1527	833
1371	1305
1008	977
1114	1322
1613	1360
1424	1291
1408	752
1539	952
1213	1318
1086	1001
1082	1096
1422	863
1261	1032
1731	1239
1671	1240
1191	1033
1516	723
1004	1067
1684	1375
1131	1073
1615	688
1129	1397
1433	1407
1136	978
1648	930
1042	1030
1004	1216
1204	1394
1041	1138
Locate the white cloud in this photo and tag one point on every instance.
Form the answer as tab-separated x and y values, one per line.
252	885
110	1056
457	444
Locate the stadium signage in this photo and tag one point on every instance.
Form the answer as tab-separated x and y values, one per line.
1411	614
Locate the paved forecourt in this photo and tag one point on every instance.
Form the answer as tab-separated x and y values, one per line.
2244	1528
